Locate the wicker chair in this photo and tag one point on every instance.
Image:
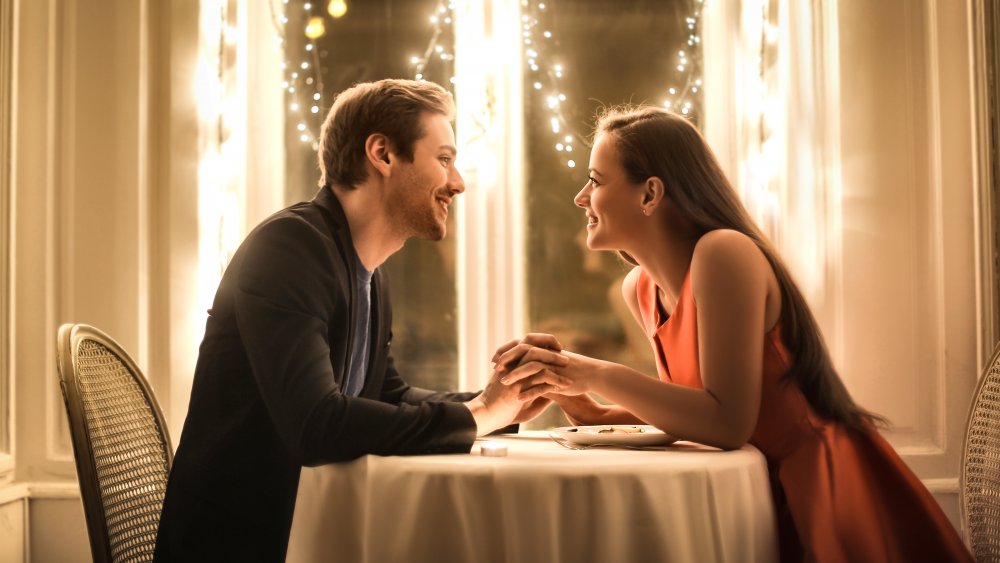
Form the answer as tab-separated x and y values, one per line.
123	452
980	485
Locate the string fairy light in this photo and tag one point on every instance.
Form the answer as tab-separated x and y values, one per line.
442	23
543	77
303	78
337	8
686	99
303	82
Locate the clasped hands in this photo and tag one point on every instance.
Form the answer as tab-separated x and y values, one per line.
528	375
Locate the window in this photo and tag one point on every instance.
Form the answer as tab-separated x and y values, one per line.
376	40
610	53
564	288
574	292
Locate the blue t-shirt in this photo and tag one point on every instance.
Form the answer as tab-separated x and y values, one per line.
362	323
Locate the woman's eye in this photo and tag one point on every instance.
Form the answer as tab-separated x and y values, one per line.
445	160
593	182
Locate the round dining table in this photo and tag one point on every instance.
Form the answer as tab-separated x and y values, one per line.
541	502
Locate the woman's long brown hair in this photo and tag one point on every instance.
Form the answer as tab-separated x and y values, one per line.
655	142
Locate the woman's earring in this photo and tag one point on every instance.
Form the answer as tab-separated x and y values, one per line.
645	211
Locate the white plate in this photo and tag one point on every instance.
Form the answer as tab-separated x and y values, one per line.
613	435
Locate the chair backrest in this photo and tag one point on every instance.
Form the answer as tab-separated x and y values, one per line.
120	441
980	480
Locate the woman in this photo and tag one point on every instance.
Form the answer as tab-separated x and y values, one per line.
739	355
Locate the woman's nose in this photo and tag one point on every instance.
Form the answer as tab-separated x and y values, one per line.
582	198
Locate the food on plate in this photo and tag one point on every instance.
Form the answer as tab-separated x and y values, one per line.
621	429
609	429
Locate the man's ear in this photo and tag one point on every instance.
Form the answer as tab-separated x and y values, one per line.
377	152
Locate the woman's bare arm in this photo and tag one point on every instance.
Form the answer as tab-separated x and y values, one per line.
730	279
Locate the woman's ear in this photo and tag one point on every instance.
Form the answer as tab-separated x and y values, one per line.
652	194
377	152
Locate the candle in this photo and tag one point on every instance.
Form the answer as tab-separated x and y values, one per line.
493	449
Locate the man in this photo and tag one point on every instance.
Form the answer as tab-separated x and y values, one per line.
295	368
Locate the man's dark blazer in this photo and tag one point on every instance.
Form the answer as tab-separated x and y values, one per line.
266	398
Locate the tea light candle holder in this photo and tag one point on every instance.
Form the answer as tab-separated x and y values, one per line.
493	449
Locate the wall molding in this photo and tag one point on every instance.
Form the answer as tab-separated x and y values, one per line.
6	89
985	48
29	490
946	486
60	220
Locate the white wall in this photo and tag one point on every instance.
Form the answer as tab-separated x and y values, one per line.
875	184
900	299
103	211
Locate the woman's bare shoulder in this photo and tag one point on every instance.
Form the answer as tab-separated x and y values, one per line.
727	256
629	285
631	280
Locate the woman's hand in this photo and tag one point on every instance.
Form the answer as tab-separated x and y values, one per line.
579	409
513	351
531	409
544	371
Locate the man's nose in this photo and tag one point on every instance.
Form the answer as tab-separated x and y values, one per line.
455	181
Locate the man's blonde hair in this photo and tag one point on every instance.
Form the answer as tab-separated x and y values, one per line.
391	107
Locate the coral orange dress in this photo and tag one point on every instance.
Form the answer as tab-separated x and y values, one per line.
841	494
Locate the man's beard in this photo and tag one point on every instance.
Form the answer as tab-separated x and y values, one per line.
419	219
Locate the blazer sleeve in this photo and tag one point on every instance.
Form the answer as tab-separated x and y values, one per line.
396	390
290	292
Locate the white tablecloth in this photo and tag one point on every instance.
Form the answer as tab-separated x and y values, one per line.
541	503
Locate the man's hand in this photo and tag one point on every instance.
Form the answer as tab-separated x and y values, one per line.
497	406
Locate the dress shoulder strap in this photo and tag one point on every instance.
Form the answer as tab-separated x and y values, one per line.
646	294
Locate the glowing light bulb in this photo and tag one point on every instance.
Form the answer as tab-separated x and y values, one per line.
337	8
315	28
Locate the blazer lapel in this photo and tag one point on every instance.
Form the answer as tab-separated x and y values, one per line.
378	335
340	231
